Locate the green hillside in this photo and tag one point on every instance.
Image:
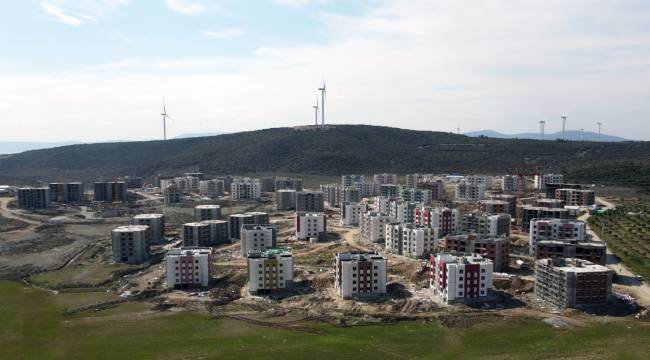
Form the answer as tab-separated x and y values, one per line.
333	151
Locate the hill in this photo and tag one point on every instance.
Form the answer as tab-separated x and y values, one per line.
335	150
13	147
574	135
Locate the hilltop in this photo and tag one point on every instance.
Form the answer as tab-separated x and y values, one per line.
574	135
335	150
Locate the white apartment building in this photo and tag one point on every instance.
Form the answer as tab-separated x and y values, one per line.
207	212
211	188
410	240
351	213
381	204
172	193
403	211
156	223
245	189
349	180
514	183
385	179
188	267
367	189
360	274
444	220
373	226
269	271
478	180
555	229
542	180
460	278
424	196
469	192
130	244
257	237
310	225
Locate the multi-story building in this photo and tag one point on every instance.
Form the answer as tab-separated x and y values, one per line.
418	195
285	199
403	211
196	234
549	190
541	180
444	220
218	230
373	226
33	198
360	274
110	191
310	225
389	190
172	194
410	240
310	201
67	192
514	183
412	180
571	283
350	194
485	225
381	204
549	203
576	197
288	183
130	244
460	278
511	199
469	192
494	206
593	251
257	237
437	188
269	271
367	189
267	184
478	180
188	267
349	180
207	212
211	188
351	213
555	229
526	213
156	224
235	222
385	179
496	249
331	194
245	189
134	182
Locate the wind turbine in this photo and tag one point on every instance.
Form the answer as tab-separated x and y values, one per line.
316	111
599	128
542	123
322	111
563	125
164	118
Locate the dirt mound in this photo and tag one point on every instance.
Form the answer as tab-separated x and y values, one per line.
466	320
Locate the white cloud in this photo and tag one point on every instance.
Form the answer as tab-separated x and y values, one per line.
192	7
79	12
224	34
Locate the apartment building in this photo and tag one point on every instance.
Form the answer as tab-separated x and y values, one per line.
485	224
511	199
350	194
267	184
555	229
134	182
385	179
541	180
156	224
67	192
593	251
549	190
514	183
418	195
413	180
236	221
331	194
495	249
350	180
389	190
269	271
460	278
282	183
257	237
381	204
188	267
130	244
310	201
444	220
246	189
360	274
373	226
478	180
310	225
196	234
494	207
367	189
469	192
576	197
285	199
110	191
351	213
403	211
211	188
218	230
207	212
526	213
410	240
33	198
572	283
172	194
437	188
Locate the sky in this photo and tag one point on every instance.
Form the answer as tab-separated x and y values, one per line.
98	70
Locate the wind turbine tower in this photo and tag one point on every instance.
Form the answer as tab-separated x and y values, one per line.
542	123
164	118
316	111
564	126
599	128
582	134
322	111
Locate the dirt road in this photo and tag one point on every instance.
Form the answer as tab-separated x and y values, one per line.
5	212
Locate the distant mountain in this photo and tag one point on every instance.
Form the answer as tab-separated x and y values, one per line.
195	135
14	147
573	135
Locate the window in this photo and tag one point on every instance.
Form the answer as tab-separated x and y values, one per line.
460	286
482	270
460	278
482	277
354	281
460	271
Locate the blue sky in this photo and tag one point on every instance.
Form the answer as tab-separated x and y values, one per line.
95	70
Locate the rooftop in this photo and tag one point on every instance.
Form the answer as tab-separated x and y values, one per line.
131	228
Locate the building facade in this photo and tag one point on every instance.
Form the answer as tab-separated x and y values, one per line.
351	213
310	225
576	197
485	224
257	237
282	183
469	192
130	244
360	274
33	198
350	180
211	188
495	249
555	229
373	226
156	224
285	199
310	201
385	179
110	191
246	189
410	240
188	267
269	271
444	220
460	278
207	212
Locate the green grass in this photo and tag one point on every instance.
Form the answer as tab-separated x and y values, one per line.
33	327
82	276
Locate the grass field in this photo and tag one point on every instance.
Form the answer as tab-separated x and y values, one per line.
33	327
627	233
